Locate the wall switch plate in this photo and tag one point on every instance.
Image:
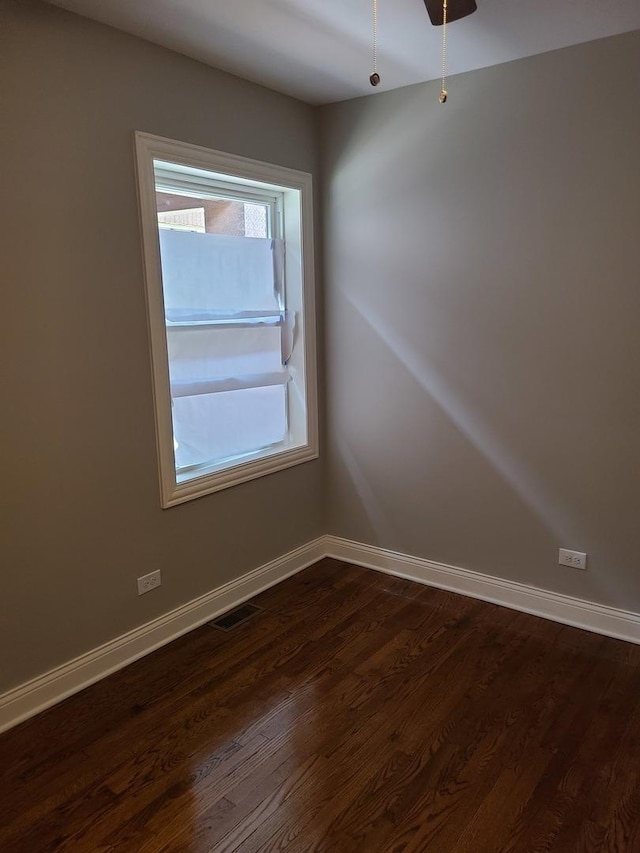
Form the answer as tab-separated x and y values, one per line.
575	559
148	582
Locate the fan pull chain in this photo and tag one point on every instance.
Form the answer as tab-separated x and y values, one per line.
374	77
443	90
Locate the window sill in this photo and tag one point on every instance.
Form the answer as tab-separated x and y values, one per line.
250	468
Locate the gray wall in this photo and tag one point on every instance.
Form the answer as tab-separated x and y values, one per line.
80	513
482	276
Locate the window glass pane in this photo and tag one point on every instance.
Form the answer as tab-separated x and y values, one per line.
233	218
255	220
189	219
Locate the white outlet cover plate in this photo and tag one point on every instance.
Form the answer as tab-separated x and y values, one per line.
574	559
148	582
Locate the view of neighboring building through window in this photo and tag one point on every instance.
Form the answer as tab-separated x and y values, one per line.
233	317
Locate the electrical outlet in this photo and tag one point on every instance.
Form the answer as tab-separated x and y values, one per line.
575	559
148	582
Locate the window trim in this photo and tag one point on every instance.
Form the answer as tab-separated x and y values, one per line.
301	258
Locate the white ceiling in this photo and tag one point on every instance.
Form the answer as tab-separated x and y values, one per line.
320	50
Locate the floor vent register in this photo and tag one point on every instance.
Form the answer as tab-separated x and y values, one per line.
235	617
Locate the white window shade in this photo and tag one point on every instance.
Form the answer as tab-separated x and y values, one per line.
225	345
227	424
207	359
220	352
217	274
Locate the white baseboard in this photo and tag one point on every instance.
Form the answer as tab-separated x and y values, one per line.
598	618
29	699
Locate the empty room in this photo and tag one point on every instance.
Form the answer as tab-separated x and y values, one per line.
321	434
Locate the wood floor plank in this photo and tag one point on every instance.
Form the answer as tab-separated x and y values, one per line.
477	749
356	712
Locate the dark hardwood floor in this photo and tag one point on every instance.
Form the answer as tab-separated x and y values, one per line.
356	712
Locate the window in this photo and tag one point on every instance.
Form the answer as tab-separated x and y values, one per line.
229	273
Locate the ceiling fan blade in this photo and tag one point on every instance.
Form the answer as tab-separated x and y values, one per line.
455	9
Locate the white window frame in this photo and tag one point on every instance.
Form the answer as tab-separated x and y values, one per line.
296	188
